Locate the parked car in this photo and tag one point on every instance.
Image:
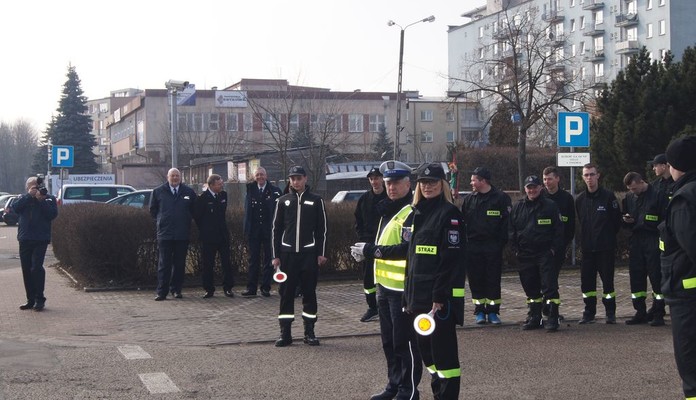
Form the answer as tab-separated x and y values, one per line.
4	198
76	193
347	195
8	215
139	199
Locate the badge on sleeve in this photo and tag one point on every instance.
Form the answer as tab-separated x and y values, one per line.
406	233
453	237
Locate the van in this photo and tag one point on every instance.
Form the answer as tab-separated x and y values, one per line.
76	193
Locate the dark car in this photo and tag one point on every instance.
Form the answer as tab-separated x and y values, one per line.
8	215
139	199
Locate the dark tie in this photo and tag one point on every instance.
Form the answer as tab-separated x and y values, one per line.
174	192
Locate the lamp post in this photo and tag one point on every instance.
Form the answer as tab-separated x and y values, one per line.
174	87
398	89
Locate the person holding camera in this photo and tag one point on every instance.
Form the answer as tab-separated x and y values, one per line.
36	210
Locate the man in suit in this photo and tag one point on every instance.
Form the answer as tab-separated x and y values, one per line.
258	216
209	214
172	207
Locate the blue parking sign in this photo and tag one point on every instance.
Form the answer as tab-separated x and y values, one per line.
62	157
573	129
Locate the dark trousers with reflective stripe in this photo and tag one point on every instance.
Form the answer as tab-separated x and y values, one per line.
594	262
644	263
484	270
404	366
369	282
440	352
683	315
301	269
539	276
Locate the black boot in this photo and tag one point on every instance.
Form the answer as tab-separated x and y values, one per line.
534	317
610	310
588	316
309	337
552	321
658	318
641	316
285	333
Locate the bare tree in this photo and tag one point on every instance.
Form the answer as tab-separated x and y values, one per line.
18	143
524	65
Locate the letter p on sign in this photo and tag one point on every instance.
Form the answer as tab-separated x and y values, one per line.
573	129
62	156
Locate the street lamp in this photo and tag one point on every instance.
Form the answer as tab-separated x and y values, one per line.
399	128
174	87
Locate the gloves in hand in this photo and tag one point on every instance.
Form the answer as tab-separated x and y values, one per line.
356	251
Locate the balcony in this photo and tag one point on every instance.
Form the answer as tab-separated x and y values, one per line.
626	20
594	55
556	66
627	47
597	29
594	81
557	40
593	5
553	16
555	87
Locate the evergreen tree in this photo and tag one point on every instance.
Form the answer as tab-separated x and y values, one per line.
302	137
383	147
72	126
503	133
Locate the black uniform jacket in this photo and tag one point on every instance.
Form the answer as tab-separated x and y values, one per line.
299	224
173	214
678	234
486	220
35	217
209	214
600	219
646	209
387	209
367	215
566	206
434	258
258	209
536	227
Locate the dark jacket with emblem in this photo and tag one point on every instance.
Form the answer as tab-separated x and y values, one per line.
486	220
258	210
647	210
679	237
566	206
367	215
307	210
600	219
209	214
173	213
536	227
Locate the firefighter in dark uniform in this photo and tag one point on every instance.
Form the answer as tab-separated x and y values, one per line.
435	276
299	248
663	183
366	224
536	234
643	209
678	236
259	206
485	212
404	368
600	220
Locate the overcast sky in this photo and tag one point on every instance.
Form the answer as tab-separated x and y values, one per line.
336	44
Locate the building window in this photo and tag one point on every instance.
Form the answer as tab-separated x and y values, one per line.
572	25
326	123
426	115
269	123
248	121
663	54
214	122
449	116
582	22
663	27
426	137
598	17
103	107
480	31
599	69
572	3
450	137
649	31
573	50
632	34
294	123
649	5
481	52
376	122
355	123
662	3
232	122
197	123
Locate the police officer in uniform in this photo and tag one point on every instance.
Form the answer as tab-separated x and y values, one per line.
299	249
366	224
678	234
404	368
600	220
643	208
434	276
536	234
485	212
259	206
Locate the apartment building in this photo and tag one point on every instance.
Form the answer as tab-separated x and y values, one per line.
597	36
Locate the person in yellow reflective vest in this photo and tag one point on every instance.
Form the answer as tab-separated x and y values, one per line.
435	276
